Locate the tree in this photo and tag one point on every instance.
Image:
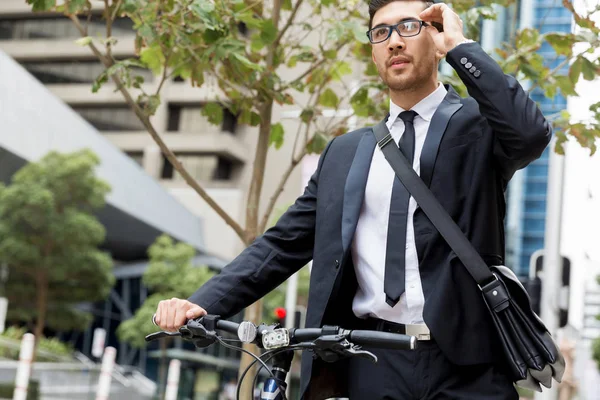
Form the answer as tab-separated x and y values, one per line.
49	236
169	274
596	342
299	53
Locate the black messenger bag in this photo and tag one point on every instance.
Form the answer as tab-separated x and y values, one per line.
531	354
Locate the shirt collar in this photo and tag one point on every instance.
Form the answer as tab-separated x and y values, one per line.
425	108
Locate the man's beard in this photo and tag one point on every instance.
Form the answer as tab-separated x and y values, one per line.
409	80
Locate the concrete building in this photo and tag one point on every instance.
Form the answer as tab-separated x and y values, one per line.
220	158
47	78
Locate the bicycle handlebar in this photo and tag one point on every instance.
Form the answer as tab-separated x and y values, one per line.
205	327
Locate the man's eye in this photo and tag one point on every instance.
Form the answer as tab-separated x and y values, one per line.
381	32
409	26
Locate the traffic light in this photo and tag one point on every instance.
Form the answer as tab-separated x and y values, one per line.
534	287
280	313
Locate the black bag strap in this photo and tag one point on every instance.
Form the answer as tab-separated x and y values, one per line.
432	208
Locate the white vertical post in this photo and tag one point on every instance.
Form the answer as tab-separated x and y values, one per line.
3	310
173	380
291	296
108	363
24	368
551	278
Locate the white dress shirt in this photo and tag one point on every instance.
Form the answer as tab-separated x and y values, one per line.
370	238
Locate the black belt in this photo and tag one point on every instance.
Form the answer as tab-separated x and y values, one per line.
421	332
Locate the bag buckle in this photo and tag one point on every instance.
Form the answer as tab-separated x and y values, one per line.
489	283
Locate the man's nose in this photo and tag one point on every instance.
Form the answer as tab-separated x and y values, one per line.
396	41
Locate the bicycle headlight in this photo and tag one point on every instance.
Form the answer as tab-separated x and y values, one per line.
276	338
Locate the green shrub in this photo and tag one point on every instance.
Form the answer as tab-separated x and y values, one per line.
51	345
33	392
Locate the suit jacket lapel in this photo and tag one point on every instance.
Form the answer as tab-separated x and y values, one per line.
439	122
354	190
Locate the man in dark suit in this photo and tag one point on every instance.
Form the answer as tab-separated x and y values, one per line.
378	262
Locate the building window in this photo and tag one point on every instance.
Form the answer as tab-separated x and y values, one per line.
53	72
202	167
110	118
136	156
58	27
189	119
174	118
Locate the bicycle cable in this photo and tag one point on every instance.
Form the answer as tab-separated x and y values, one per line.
256	359
271	354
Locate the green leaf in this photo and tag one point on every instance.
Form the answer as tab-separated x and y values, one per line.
257	44
528	38
359	32
329	99
317	144
247	63
153	58
292	62
249	117
307	114
42	5
336	32
286	5
268	32
249	18
589	69
84	41
276	137
75	6
575	70
562	43
330	54
152	104
214	113
566	86
327	2
339	69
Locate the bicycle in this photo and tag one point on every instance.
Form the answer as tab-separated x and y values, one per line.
330	343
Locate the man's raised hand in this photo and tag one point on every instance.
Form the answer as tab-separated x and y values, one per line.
174	313
453	26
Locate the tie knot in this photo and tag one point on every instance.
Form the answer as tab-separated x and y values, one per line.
408	116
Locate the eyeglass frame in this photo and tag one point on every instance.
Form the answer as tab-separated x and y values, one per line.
395	28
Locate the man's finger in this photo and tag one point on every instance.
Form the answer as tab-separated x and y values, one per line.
195	312
436	9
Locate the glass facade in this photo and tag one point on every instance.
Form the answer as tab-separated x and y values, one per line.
529	189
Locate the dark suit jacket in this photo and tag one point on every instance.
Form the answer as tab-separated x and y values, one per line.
473	147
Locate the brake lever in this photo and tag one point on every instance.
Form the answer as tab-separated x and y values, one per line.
160	335
331	348
198	334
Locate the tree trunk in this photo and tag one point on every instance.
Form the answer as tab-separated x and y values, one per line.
42	308
254	312
162	370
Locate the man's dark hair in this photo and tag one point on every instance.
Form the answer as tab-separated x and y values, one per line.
376	5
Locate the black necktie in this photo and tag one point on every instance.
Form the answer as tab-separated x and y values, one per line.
396	237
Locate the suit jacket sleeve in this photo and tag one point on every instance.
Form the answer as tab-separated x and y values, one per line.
268	261
521	131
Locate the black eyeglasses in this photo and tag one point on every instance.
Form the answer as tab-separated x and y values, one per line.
406	28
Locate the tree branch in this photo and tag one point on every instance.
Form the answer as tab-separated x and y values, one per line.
262	146
289	22
161	144
279	189
109	22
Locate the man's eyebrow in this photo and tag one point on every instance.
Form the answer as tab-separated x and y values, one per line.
402	20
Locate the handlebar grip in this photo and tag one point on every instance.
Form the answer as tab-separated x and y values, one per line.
228	326
385	340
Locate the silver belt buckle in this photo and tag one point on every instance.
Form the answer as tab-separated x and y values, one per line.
421	332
